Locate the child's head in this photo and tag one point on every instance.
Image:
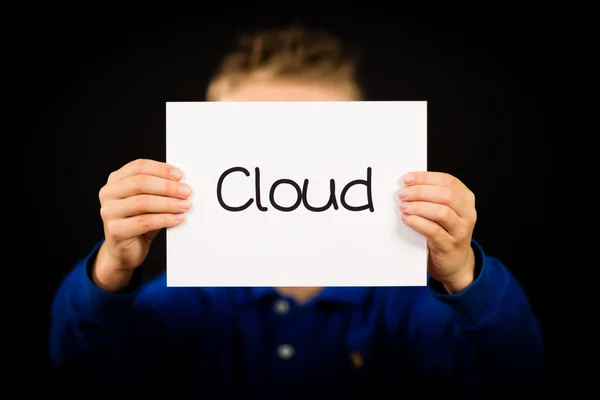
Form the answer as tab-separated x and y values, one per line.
286	65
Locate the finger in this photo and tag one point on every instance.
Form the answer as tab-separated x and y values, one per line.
146	167
125	228
430	178
144	184
430	229
439	179
444	195
443	215
144	204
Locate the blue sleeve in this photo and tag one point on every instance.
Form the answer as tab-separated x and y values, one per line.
485	339
113	341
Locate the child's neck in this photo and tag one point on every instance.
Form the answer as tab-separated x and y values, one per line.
300	294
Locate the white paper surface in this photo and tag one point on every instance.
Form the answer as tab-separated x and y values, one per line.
296	141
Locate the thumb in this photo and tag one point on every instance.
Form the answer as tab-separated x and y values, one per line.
149	236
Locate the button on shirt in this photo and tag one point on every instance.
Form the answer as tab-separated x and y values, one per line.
285	351
281	306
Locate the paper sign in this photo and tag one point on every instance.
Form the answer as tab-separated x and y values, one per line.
296	194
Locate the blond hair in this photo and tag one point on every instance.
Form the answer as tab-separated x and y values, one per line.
292	54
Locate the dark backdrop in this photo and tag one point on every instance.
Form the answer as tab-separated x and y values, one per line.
93	91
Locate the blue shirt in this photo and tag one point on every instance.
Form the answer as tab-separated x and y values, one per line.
252	343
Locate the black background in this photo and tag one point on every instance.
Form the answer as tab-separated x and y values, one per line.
92	92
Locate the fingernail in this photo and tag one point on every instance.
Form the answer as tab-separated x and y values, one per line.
185	190
179	217
184	205
409	178
403	193
404	206
176	173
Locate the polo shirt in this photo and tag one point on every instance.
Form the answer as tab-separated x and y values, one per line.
253	343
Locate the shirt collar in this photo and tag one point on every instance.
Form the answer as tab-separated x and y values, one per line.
352	296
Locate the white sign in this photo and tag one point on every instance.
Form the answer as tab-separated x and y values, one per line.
296	194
